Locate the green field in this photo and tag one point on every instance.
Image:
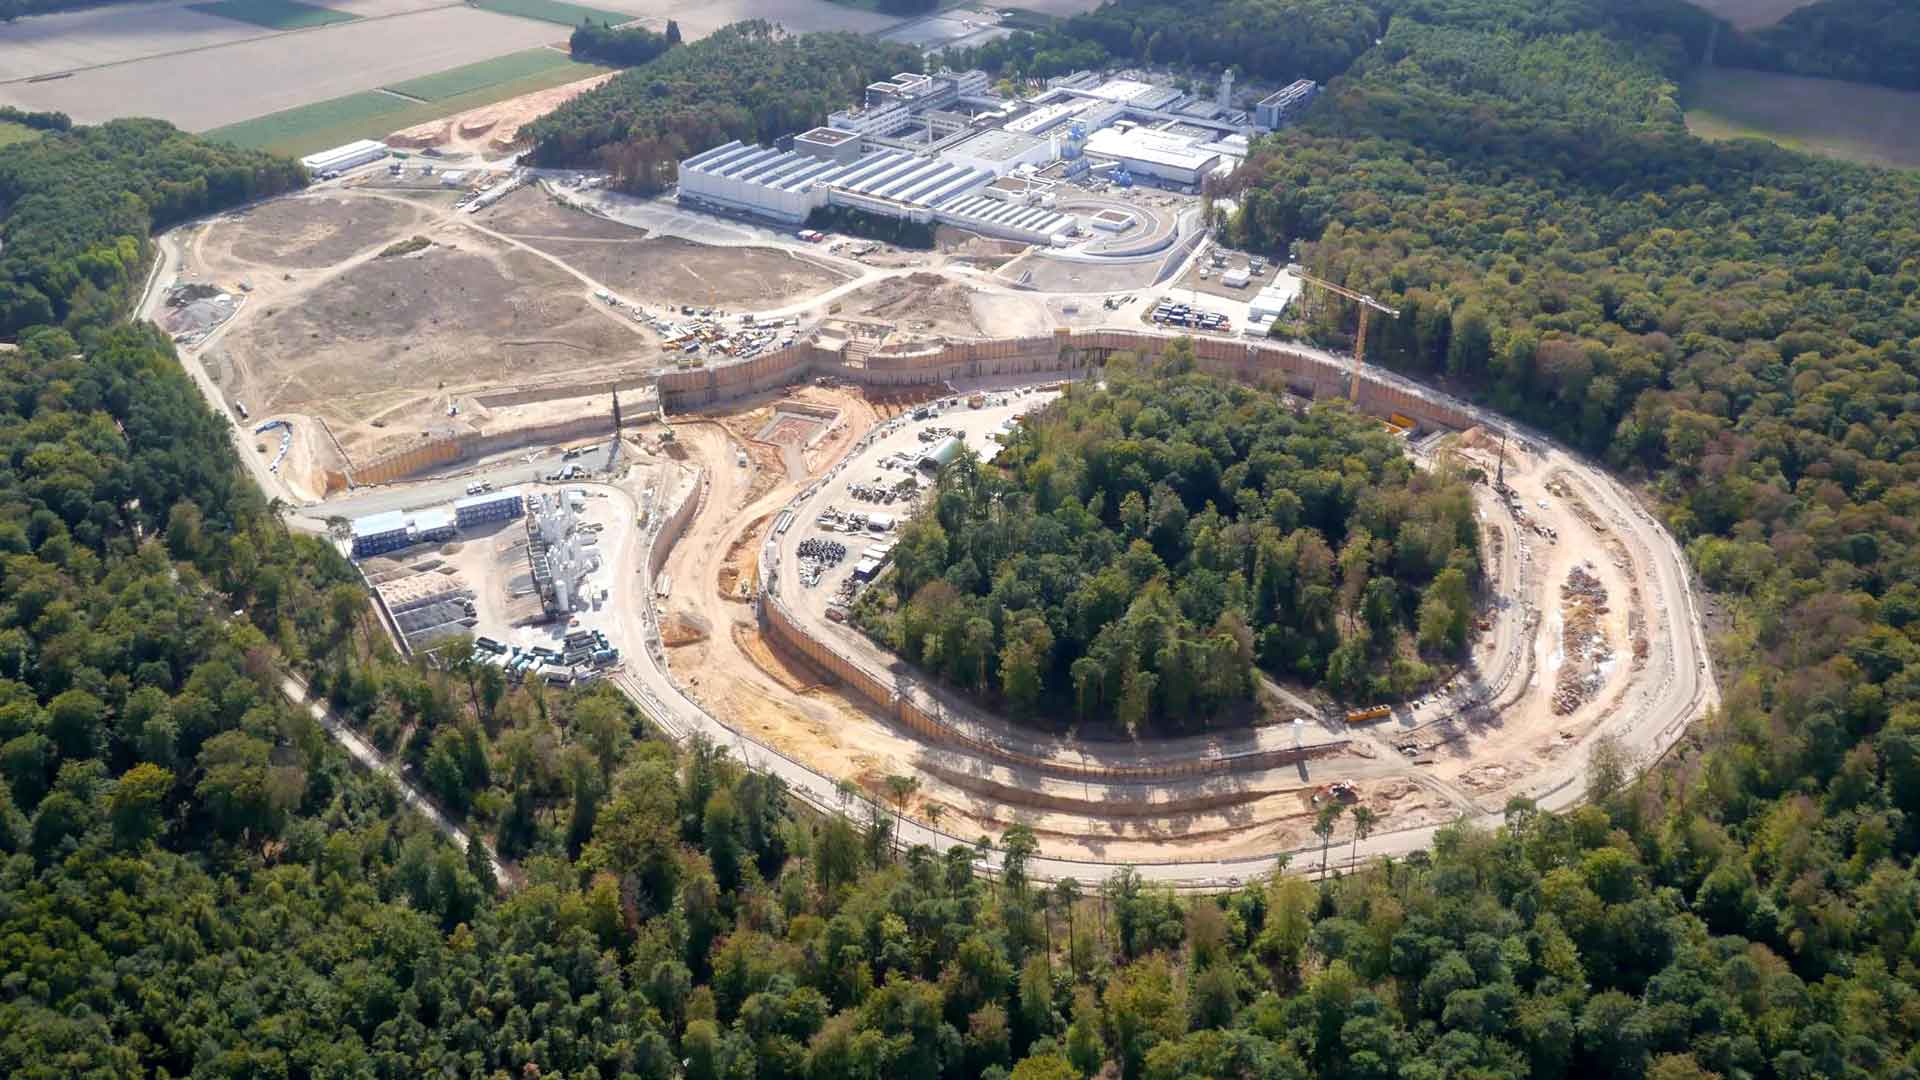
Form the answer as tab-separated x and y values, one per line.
1851	121
466	79
372	115
274	14
554	11
11	133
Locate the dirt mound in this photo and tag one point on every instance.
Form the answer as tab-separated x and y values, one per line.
683	628
502	120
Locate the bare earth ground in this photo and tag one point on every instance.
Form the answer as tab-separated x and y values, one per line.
311	232
263	74
372	342
698	18
530	213
492	129
667	270
1851	121
931	304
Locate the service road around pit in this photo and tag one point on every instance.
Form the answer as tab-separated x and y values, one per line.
1674	687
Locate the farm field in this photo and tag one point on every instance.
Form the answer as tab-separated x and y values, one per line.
275	14
697	18
470	77
1851	121
71	40
554	11
240	80
372	114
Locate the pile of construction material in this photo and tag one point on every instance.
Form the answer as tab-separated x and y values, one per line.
1583	601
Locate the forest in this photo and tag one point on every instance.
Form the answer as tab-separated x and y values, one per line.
1869	41
1277	40
628	46
80	204
750	80
1135	552
195	882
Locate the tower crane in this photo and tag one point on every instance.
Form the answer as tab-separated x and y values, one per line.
1367	303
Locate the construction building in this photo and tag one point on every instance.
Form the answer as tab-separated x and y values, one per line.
492	506
1281	107
341	158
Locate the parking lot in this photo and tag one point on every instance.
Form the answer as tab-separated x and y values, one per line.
858	509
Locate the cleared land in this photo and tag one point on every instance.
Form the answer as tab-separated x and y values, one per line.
495	126
1845	120
554	11
238	80
275	14
372	114
658	270
375	345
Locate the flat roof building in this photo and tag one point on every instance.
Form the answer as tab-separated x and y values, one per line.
376	534
347	156
1000	152
1283	105
492	506
1172	158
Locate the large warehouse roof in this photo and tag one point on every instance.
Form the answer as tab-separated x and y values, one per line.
889	174
1152	147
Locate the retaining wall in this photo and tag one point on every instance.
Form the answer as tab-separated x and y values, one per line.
1252	362
783	627
447	449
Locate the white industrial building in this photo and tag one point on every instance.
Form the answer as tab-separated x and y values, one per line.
789	185
1175	159
344	157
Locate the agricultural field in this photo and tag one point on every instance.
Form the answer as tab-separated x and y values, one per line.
77	40
238	80
554	11
274	14
1851	121
501	69
372	114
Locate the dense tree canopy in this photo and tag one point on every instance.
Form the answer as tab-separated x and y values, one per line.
79	205
1135	552
1278	40
750	80
194	882
1870	41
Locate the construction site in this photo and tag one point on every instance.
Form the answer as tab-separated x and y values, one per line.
781	405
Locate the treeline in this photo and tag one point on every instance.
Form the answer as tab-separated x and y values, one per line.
39	121
1870	41
80	204
628	46
750	80
1278	40
1137	551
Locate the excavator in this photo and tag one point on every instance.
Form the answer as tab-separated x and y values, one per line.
1367	304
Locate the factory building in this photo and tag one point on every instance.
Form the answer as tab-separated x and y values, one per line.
1009	220
1279	108
1000	152
557	560
493	506
344	157
1169	158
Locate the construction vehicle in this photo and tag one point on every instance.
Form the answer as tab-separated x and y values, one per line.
1368	716
1367	304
